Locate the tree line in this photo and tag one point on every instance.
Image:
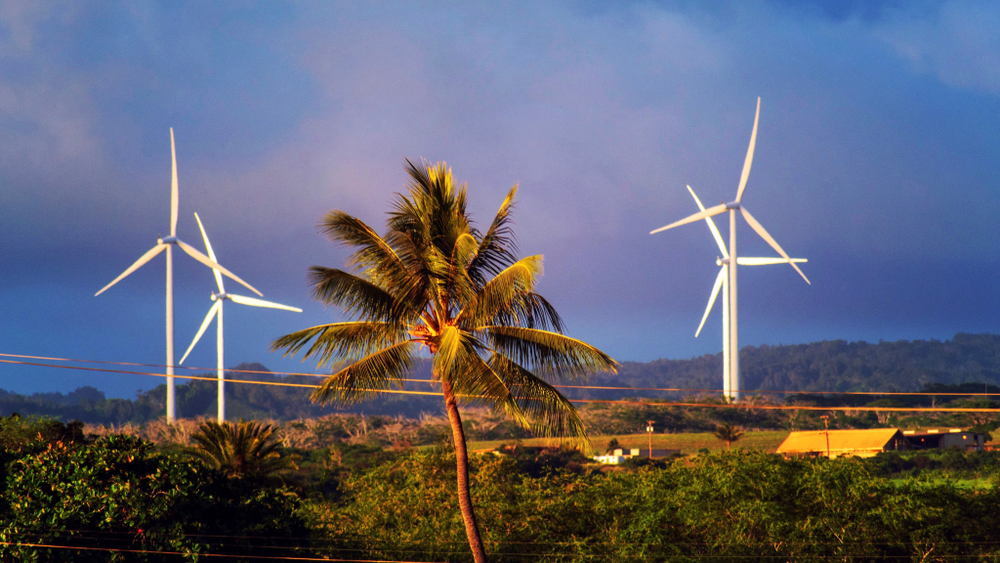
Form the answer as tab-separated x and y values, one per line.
968	363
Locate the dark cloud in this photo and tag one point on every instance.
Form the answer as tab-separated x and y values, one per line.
877	159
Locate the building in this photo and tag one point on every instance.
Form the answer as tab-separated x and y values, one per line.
840	443
621	454
943	439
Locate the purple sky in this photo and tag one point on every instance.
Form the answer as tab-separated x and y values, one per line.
878	159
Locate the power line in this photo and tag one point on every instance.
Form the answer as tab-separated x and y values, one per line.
230	556
433	381
600	401
202	378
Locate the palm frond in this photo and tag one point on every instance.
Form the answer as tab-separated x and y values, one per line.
498	247
374	255
358	297
241	449
501	294
415	290
471	378
343	342
368	376
459	286
449	347
533	311
434	215
544	409
548	353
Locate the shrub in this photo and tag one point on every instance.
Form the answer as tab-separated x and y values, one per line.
115	494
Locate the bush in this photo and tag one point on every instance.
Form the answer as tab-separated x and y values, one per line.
116	494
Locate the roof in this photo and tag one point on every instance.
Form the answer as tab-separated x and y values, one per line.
874	439
935	431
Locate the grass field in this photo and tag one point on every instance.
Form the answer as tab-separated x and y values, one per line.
687	443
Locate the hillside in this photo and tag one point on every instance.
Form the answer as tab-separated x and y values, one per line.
821	366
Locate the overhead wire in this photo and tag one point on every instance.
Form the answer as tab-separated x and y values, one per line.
202	554
433	381
583	401
530	554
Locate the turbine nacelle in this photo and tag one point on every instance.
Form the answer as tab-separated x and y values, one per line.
215	312
168	240
727	276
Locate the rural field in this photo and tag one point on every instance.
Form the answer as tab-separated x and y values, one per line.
687	442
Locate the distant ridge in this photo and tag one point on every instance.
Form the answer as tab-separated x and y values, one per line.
835	365
831	365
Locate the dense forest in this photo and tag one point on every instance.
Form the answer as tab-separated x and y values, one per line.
964	363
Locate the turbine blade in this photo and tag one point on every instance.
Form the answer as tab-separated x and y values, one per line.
261	303
211	254
152	252
204	325
711	226
711	300
770	240
749	159
193	253
173	186
692	218
748	261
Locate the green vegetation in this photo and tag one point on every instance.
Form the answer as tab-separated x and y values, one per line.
434	281
242	449
364	496
741	506
118	493
728	434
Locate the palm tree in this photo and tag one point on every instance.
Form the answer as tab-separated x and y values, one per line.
728	434
435	281
244	449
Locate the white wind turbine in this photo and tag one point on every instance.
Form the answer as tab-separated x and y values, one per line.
216	310
166	243
722	282
733	344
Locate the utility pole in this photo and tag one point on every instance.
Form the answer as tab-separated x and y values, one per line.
649	428
826	422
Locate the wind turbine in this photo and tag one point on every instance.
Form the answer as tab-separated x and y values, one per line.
722	282
216	310
731	207
167	243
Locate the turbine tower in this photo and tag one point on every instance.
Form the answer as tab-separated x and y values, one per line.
722	282
216	310
167	243
731	207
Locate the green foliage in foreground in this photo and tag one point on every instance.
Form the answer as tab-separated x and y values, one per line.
117	494
739	506
365	502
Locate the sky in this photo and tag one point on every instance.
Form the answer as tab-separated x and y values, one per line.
877	159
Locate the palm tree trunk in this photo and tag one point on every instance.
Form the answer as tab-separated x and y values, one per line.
462	455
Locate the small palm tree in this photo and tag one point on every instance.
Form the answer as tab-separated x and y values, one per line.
728	434
434	281
613	445
244	449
